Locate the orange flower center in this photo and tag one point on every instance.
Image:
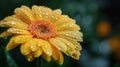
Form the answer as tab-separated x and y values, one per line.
42	29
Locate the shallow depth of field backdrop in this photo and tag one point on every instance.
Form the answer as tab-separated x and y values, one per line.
99	21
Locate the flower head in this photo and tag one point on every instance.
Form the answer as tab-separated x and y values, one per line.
41	31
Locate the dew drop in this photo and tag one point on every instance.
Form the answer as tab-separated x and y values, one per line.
48	52
13	23
31	46
47	14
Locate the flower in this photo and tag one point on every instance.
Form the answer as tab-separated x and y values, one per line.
41	31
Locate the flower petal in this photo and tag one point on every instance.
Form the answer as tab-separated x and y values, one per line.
29	57
25	49
29	46
56	15
61	59
58	44
41	12
76	55
68	27
38	52
55	54
44	13
16	40
17	31
64	19
68	43
46	57
33	44
72	34
46	47
37	12
25	14
5	34
13	22
74	42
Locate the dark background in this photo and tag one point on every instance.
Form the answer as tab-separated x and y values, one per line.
101	47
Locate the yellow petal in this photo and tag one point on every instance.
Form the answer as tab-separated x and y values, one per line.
17	31
68	43
68	27
5	34
16	40
41	12
55	54
61	59
44	13
76	55
46	47
25	49
64	19
25	14
29	45
29	57
72	34
74	42
33	44
38	53
58	44
65	23
46	57
13	22
56	15
37	12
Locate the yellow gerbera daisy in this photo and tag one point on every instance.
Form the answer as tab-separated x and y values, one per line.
44	32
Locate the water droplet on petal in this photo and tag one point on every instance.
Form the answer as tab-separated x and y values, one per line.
31	46
48	52
13	23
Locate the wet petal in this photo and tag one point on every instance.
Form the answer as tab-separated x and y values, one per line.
37	13
72	34
41	12
56	15
46	57
25	14
33	44
17	31
66	24
17	40
29	57
76	55
25	49
5	34
64	19
29	46
68	27
38	52
55	54
58	44
13	22
61	59
68	43
46	47
44	13
74	42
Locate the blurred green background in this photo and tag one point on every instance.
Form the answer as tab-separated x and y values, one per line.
99	21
